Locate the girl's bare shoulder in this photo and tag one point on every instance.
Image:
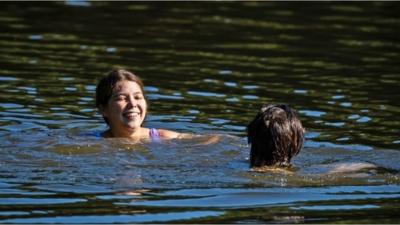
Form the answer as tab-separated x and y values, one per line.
168	134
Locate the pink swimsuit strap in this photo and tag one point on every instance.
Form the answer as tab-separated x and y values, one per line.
154	134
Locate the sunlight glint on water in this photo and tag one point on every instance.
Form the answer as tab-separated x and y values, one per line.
207	69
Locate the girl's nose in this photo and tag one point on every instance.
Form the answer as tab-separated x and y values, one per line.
132	101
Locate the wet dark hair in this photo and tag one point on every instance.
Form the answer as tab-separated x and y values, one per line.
276	135
106	85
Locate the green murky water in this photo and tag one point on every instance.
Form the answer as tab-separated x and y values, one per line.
207	67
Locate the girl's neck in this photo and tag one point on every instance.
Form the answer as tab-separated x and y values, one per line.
136	133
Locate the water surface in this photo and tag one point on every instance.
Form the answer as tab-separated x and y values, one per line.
207	68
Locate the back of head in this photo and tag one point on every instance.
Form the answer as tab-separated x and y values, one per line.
276	135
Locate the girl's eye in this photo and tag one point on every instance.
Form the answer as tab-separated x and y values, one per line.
120	98
138	97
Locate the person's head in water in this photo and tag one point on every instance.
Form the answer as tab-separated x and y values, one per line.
120	99
275	135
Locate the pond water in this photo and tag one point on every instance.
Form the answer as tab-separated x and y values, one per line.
207	68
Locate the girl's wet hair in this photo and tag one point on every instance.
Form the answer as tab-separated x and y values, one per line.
106	85
276	135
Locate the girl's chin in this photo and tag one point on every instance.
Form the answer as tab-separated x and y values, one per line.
133	125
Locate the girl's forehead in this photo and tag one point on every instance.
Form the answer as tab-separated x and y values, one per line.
127	86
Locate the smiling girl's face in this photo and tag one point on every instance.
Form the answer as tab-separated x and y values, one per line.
126	109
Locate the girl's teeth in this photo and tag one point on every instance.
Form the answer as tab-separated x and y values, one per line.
131	114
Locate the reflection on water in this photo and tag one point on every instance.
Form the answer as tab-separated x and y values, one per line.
207	69
85	179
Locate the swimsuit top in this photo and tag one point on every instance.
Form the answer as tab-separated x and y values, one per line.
154	134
